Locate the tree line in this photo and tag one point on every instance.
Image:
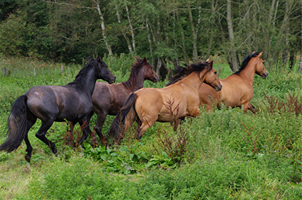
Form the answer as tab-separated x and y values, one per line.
164	31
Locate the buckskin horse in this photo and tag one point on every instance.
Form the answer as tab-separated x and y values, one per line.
108	99
49	103
179	99
237	89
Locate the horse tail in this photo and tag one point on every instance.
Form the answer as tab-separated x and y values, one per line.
126	111
16	125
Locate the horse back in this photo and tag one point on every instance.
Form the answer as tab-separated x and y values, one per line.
57	102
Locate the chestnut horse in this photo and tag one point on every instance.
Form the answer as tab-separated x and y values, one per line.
237	89
108	99
50	103
179	99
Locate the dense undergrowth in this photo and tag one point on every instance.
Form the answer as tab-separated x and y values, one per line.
222	155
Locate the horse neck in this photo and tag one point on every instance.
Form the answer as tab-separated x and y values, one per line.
135	81
87	80
248	72
193	80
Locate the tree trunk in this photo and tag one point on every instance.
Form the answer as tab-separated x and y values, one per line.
103	27
212	31
267	40
195	56
123	32
286	46
130	26
282	30
183	47
150	42
231	36
300	64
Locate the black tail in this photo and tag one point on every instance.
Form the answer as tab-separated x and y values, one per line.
119	121
16	124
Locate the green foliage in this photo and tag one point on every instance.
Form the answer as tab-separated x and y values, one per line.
228	154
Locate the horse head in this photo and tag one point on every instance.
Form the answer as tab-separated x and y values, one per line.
211	77
149	73
103	71
260	69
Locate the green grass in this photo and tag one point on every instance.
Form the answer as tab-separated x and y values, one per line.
228	154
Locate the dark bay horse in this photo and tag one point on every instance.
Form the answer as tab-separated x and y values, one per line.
108	99
71	102
237	89
179	99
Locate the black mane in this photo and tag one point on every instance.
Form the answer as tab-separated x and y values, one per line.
182	72
246	61
134	72
83	71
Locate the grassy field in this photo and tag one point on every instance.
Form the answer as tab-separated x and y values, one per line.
223	155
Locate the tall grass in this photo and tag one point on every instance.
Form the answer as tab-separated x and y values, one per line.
221	155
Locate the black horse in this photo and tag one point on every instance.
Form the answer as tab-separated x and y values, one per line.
71	102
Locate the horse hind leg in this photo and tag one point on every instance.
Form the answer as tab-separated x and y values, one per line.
28	145
145	124
41	134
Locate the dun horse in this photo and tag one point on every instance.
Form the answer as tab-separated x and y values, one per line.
109	99
179	99
71	102
237	89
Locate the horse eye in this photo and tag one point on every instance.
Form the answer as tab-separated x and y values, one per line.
215	72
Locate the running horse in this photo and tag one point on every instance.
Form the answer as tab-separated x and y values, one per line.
108	99
237	89
179	99
49	103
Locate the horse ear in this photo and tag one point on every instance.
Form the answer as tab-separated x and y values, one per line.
137	58
211	63
98	59
145	59
260	54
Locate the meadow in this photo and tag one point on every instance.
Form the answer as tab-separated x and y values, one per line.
221	155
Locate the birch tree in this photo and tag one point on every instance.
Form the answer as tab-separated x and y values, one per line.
103	26
122	29
234	62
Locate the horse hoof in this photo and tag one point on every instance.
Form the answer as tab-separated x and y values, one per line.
54	150
27	158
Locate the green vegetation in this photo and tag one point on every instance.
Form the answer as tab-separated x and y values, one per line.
222	155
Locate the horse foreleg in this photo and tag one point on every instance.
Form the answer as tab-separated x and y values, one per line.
85	128
250	107
99	125
41	134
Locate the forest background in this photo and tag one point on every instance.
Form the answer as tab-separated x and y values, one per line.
163	31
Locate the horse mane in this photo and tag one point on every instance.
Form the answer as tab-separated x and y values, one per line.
182	72
246	61
83	71
134	73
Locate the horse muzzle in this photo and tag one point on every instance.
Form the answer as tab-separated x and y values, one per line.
218	88
112	80
265	75
156	79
